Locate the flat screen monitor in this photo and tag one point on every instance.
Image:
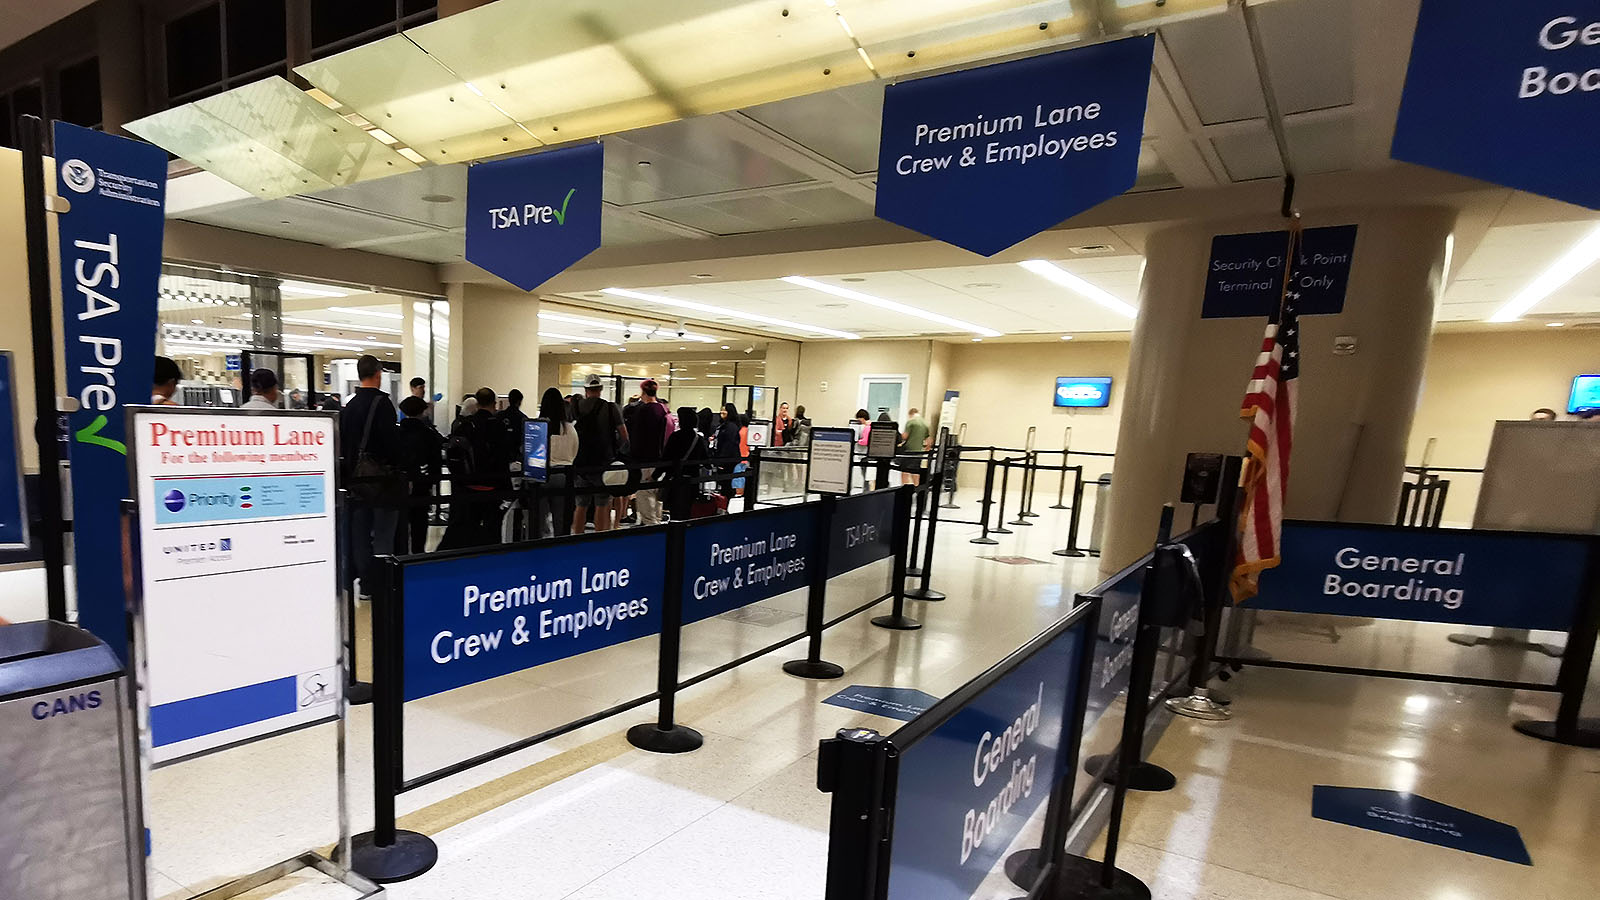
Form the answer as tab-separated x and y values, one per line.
1077	392
1585	394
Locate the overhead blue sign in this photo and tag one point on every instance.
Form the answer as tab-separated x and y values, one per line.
965	790
1506	92
1091	393
110	268
1244	277
1419	819
530	217
862	531
1495	579
900	703
991	156
535	449
13	500
474	618
734	561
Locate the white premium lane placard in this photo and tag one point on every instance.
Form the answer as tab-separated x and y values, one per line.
237	543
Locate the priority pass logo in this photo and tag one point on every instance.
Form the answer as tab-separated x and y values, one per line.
77	175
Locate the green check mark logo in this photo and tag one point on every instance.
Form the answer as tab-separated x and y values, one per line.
561	214
90	434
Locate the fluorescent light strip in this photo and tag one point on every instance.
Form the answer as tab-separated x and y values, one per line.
1052	272
1571	264
890	305
347	326
358	311
314	290
574	339
619	326
730	313
352	343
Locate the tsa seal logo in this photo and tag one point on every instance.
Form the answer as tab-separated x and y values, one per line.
78	176
173	500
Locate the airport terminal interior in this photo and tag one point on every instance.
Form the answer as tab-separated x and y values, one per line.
799	449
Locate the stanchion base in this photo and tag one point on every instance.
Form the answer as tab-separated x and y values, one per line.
913	571
1029	515
983	540
410	855
1587	734
1022	867
1068	551
898	623
948	506
1144	776
927	595
1079	879
358	692
805	668
1000	530
1059	506
1199	705
677	739
1478	640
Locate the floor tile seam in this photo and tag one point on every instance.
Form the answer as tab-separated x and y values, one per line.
646	849
1208	862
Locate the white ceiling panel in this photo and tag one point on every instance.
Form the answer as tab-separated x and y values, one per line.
1326	143
685	159
1214	60
793	209
432	195
1308	49
840	125
299	220
1249	152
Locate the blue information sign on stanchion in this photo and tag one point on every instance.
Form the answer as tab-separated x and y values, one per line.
862	531
535	449
735	561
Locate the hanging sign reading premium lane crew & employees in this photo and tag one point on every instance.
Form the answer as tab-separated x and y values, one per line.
1506	92
988	157
110	240
530	217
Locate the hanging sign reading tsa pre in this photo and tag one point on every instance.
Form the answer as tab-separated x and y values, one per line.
530	217
988	157
1506	92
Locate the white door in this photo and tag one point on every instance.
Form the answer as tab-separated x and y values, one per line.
885	392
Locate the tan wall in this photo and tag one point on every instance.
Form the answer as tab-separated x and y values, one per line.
842	363
16	330
1473	380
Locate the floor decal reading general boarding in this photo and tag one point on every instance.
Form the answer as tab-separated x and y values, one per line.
904	704
1420	819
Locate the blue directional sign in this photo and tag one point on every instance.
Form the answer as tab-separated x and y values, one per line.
530	217
473	618
535	449
1244	276
1506	92
110	240
900	703
734	561
1459	577
1419	819
991	156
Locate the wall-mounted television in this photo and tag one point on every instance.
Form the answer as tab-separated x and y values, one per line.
1080	392
1585	394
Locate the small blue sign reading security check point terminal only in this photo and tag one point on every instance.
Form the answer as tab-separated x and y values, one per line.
904	704
1419	819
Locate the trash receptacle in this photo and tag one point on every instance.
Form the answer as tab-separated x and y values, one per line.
1102	498
69	822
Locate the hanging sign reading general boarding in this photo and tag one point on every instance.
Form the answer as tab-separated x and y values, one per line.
1506	92
110	265
1244	277
530	217
988	157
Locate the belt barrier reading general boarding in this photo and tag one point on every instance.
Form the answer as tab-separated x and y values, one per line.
453	620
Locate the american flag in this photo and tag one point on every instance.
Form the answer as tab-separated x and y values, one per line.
1269	404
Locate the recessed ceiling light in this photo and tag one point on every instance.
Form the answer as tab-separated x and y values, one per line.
702	275
371	337
1091	248
1054	273
574	349
977	340
1554	324
1571	264
725	346
197	321
316	332
683	348
1066	337
622	349
732	313
643	164
892	305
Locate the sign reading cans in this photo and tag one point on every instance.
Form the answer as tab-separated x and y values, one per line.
535	449
734	561
110	264
1506	92
988	157
1244	277
1090	393
530	217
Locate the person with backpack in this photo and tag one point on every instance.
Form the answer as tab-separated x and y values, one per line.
600	435
370	455
730	450
421	449
478	452
681	472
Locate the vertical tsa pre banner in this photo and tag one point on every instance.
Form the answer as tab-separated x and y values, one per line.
530	217
991	156
110	266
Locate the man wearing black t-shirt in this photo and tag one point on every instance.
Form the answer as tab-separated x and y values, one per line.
600	433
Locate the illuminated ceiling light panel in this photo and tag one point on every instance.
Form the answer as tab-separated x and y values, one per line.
730	313
574	339
359	311
1571	264
891	305
661	331
271	139
344	325
1054	273
311	290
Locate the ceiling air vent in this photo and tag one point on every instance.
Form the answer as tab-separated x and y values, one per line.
1087	249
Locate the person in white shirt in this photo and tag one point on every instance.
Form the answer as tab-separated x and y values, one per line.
557	510
165	385
263	390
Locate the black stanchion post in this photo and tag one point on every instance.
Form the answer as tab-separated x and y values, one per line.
665	735
752	479
1200	704
922	591
1061	486
1071	549
988	490
1005	486
387	853
912	569
1569	727
1028	468
813	666
898	620
356	691
882	476
46	429
948	480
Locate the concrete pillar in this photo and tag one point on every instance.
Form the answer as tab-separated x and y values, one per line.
1187	375
494	333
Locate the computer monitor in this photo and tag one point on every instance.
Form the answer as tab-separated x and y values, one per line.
1585	394
1080	392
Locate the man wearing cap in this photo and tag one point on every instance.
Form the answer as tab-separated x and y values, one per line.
263	390
600	433
647	436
